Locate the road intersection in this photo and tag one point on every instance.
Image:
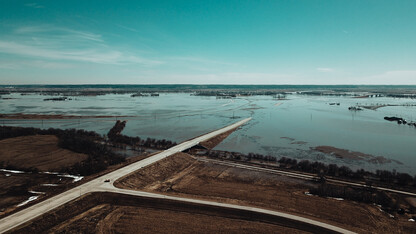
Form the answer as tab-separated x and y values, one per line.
99	185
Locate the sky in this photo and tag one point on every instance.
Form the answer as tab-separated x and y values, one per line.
208	42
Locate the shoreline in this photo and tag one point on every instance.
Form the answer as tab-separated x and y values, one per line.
353	155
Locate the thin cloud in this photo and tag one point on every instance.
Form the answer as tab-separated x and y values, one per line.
34	5
11	66
42	42
324	69
52	31
48	65
93	56
228	78
16	65
404	77
126	28
200	60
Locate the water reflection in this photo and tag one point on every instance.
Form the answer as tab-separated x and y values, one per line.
279	127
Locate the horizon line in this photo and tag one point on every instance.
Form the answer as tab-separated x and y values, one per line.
78	84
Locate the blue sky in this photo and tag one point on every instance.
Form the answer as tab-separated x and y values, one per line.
208	42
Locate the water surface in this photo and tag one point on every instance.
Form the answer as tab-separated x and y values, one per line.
278	128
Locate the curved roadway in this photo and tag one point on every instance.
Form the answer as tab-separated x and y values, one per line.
98	185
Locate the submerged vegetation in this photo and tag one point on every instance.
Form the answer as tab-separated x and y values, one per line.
115	137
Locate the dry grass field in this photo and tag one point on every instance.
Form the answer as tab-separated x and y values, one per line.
37	151
130	219
182	175
118	213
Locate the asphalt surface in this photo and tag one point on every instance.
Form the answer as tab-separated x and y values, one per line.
98	185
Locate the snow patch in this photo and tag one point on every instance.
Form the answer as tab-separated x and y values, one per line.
381	210
377	205
49	185
76	178
12	171
337	198
51	173
32	198
35	192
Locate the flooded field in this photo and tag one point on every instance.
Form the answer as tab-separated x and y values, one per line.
292	127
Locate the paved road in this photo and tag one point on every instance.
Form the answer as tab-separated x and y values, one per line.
324	227
302	176
98	184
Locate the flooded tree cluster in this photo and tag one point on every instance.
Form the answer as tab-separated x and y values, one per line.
115	137
399	120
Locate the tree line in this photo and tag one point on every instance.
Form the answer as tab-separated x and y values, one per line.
369	196
239	156
321	169
9	132
385	176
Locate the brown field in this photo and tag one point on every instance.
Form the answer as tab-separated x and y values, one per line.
42	152
38	151
110	213
6	183
182	175
148	220
15	188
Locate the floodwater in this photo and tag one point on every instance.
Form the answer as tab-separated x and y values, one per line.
279	128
